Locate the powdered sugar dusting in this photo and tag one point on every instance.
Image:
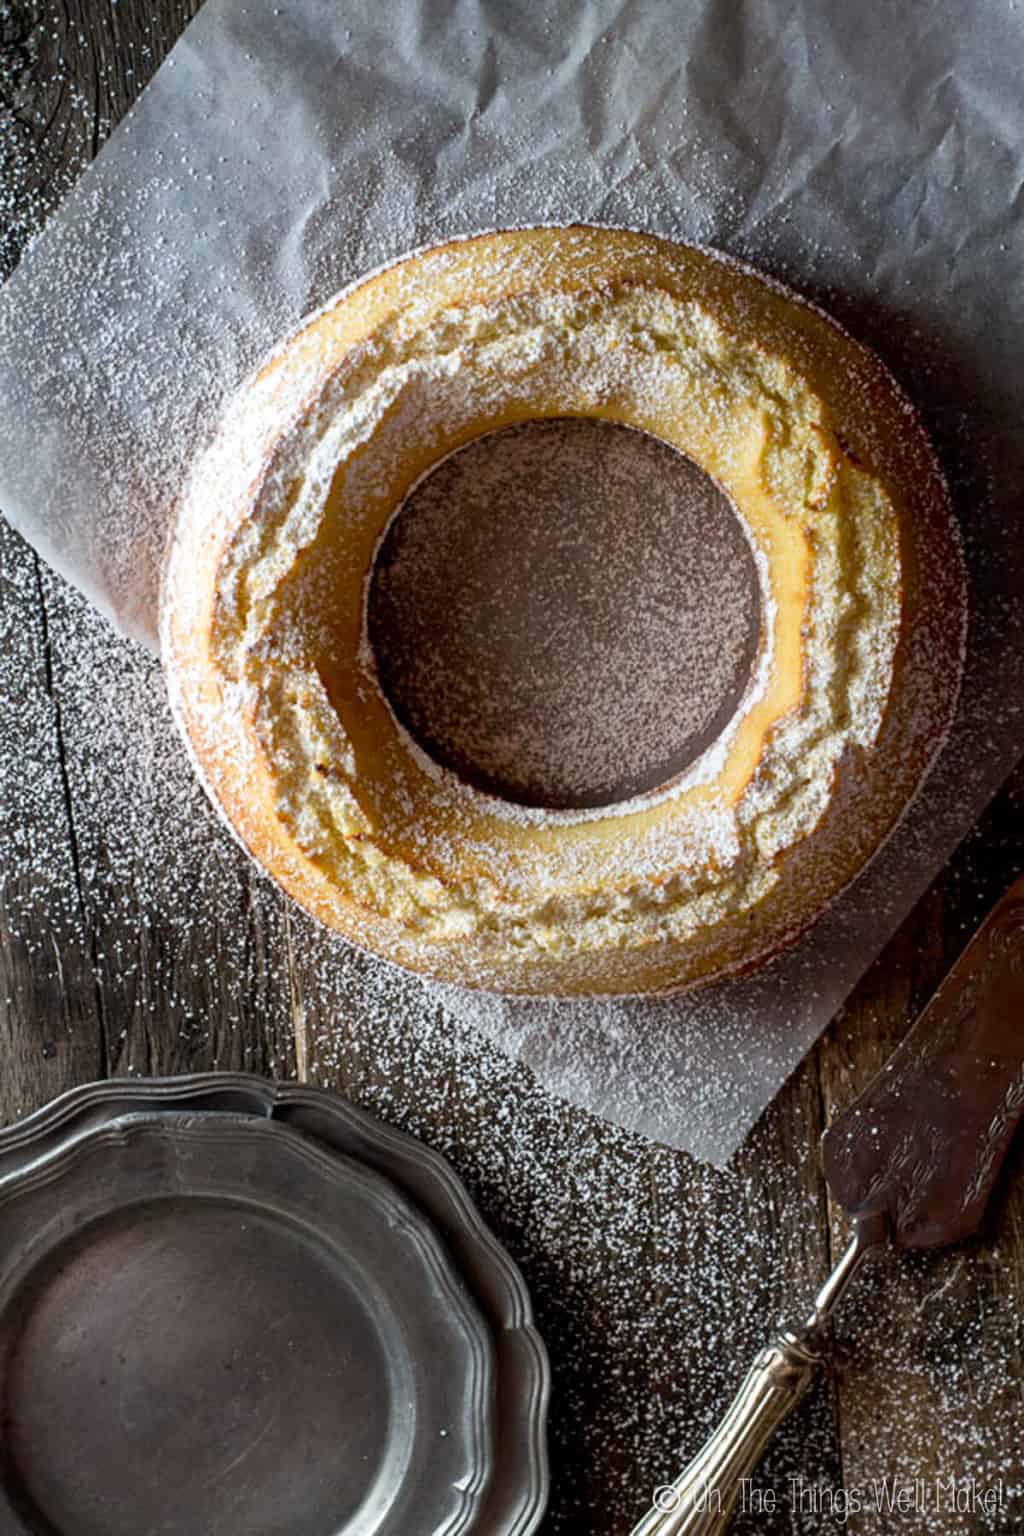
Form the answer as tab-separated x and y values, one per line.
566	612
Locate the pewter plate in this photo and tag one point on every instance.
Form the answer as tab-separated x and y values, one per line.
219	1312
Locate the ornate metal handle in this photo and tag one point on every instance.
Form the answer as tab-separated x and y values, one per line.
702	1500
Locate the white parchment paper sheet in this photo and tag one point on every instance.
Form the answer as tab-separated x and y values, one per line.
869	154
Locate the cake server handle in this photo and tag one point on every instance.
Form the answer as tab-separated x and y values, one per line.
701	1501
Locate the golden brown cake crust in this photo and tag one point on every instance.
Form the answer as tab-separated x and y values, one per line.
300	751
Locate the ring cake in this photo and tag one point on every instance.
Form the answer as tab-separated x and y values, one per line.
387	431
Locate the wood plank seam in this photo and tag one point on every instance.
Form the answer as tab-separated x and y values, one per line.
70	814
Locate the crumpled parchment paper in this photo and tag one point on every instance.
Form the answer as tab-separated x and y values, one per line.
870	155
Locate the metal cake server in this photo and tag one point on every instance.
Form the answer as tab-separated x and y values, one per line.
913	1162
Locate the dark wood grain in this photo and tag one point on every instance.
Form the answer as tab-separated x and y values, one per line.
655	1278
192	974
50	1036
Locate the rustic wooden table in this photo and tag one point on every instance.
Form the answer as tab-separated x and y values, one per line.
655	1278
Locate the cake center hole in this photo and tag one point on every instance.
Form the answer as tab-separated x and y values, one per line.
565	613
